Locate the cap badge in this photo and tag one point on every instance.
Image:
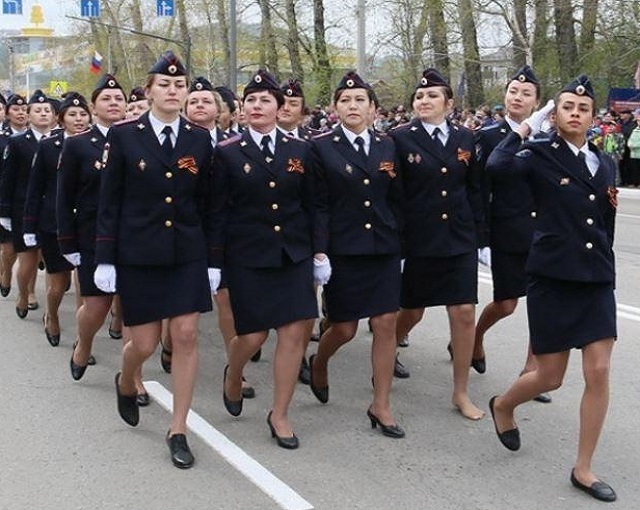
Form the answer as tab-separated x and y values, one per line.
289	92
522	77
580	90
350	83
198	86
424	81
257	78
76	102
172	69
111	83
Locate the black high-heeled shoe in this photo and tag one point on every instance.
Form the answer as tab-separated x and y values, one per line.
393	431
116	334
256	356
233	407
290	443
322	394
77	371
479	364
54	340
4	291
165	358
22	312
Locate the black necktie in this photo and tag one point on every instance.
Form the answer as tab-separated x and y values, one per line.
359	141
265	148
583	158
436	138
167	146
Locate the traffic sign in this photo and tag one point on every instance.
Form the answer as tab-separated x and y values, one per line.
12	7
164	7
57	87
90	8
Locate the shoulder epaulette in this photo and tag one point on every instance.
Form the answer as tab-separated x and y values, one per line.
524	153
230	141
490	127
322	135
124	121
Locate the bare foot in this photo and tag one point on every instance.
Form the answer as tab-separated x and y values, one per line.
467	408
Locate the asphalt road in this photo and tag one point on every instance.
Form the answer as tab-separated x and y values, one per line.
64	447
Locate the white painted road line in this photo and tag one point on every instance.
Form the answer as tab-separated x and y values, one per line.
622	311
275	488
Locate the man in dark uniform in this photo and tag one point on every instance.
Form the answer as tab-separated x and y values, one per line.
15	122
17	160
510	209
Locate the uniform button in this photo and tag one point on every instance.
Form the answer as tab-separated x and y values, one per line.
592	197
272	184
443	170
168	175
367	226
366	182
589	221
168	200
445	216
367	203
444	192
534	214
277	228
589	246
274	207
168	223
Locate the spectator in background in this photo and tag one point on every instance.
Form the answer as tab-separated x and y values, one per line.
627	124
633	169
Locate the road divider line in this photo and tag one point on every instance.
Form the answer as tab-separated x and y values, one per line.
260	476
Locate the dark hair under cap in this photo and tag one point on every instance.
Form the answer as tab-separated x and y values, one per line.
200	83
107	81
137	94
55	104
264	81
526	75
292	88
228	97
352	80
3	100
15	99
580	86
431	77
72	99
168	64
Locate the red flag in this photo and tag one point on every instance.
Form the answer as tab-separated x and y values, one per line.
96	63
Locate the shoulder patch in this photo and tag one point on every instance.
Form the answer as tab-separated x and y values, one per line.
230	141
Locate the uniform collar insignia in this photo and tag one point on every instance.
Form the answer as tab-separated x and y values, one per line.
336	138
57	143
456	128
285	139
27	136
503	130
140	126
94	139
413	128
564	181
243	143
246	168
142	165
269	160
377	138
97	165
187	127
555	145
348	169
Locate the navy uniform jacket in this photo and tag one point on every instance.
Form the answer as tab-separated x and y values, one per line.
262	210
40	207
78	190
508	202
442	206
17	159
152	209
357	200
573	236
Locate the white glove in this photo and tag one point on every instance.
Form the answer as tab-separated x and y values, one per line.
72	258
214	278
29	240
537	118
484	256
321	271
105	277
6	223
402	266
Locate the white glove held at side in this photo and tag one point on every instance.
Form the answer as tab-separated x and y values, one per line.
29	240
105	277
6	223
214	278
321	271
72	258
484	256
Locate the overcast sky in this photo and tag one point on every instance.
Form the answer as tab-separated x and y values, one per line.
54	14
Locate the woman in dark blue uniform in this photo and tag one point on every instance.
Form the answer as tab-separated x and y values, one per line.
151	240
40	209
15	122
263	235
442	218
358	197
77	206
18	158
571	273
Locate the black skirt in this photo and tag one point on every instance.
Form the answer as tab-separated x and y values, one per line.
53	260
563	314
85	275
5	236
362	286
437	281
18	239
266	298
509	277
152	293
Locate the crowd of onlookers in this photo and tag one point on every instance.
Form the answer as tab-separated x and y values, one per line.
615	133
